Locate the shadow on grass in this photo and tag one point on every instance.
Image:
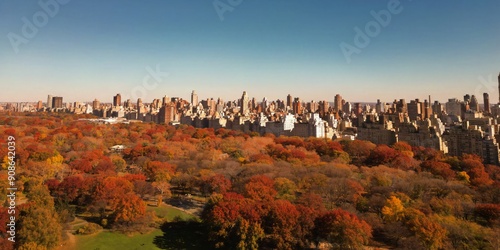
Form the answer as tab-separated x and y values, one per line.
182	235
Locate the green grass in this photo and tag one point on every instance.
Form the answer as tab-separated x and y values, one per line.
114	240
170	213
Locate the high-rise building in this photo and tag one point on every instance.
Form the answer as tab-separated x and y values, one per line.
289	101
165	100
467	98
244	103
117	100
39	105
347	108
166	114
337	103
437	108
358	109
379	107
297	106
57	102
454	107
401	106
414	109
499	88
49	101
474	104
128	104
487	108
194	99
96	104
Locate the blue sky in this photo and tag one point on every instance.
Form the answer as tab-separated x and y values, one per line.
270	48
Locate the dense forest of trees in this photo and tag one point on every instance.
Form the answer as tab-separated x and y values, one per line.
260	192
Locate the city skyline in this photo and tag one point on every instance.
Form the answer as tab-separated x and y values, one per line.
90	50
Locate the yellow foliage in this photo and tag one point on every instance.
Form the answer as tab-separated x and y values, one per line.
57	159
463	176
393	209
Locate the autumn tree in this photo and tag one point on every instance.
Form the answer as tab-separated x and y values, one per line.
430	233
279	224
381	154
286	188
260	188
342	230
215	184
358	150
393	209
38	220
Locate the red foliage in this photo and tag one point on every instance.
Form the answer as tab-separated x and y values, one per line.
312	201
279	224
215	184
260	188
489	212
134	177
382	154
439	168
474	167
342	228
71	188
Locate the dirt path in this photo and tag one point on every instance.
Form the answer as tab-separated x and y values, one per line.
70	243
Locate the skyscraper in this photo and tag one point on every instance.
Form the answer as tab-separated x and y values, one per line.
337	103
194	99
244	103
486	98
117	100
57	102
96	104
49	101
165	100
498	87
289	101
474	104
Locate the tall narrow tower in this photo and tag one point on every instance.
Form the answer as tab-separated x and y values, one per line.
244	103
486	98
117	100
498	87
194	98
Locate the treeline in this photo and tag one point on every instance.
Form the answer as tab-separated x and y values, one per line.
260	192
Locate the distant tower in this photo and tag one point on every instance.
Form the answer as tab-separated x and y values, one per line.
467	98
486	98
474	104
96	104
244	103
117	100
194	99
337	103
57	102
139	107
49	101
289	100
165	100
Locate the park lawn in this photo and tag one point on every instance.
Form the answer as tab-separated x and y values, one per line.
114	240
170	213
107	240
